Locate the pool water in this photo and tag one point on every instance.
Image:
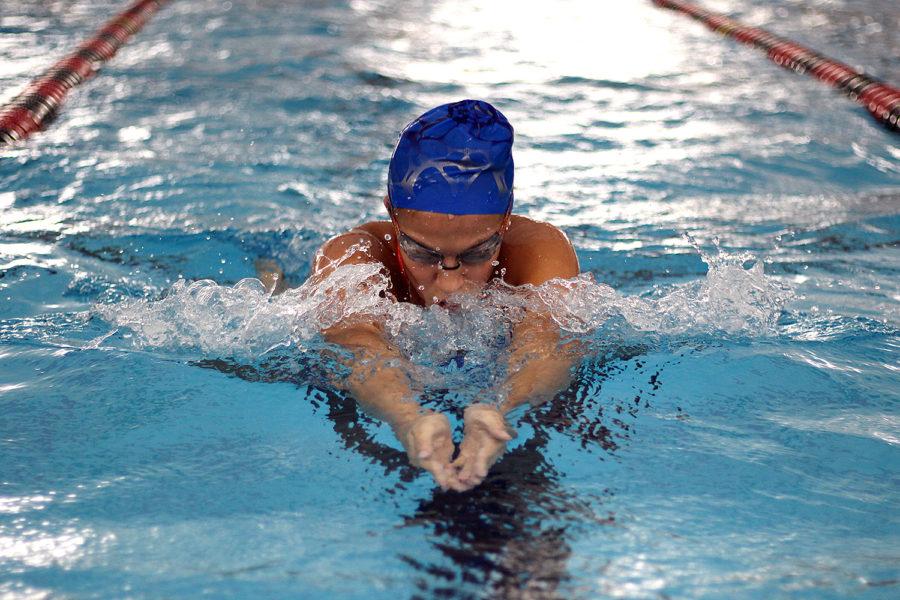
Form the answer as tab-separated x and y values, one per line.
732	431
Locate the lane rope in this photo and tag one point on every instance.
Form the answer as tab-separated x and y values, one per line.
880	99
39	103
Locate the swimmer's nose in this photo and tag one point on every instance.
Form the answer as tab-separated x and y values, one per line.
450	280
448	265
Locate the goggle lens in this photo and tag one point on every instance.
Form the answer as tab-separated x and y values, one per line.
473	256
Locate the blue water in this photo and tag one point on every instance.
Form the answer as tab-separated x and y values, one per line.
733	430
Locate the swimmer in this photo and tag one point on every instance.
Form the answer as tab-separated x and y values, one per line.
451	231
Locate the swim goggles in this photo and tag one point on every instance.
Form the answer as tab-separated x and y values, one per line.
477	254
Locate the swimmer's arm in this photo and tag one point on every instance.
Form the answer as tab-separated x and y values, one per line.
539	366
377	379
382	387
379	374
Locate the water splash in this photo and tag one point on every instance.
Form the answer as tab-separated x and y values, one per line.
735	298
245	322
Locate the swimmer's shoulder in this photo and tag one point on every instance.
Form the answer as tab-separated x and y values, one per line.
363	244
534	252
378	229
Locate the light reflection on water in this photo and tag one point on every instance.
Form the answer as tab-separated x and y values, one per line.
491	44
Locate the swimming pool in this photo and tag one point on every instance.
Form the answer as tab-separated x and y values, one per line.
715	443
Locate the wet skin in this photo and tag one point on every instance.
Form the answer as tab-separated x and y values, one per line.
530	253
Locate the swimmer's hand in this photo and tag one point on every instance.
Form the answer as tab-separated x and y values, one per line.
429	444
484	441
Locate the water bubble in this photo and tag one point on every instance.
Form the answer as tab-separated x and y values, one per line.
421	288
495	263
387	237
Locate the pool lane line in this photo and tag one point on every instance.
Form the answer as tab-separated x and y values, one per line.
880	99
37	106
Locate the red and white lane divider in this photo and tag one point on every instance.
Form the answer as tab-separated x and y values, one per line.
38	105
880	99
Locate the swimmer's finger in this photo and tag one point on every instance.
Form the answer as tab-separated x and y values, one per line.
464	486
501	431
441	475
460	460
463	462
482	465
462	479
424	446
454	483
432	468
440	480
465	473
459	472
485	460
471	480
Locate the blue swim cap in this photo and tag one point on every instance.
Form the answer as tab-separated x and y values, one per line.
455	159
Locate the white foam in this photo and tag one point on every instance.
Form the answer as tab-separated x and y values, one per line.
244	321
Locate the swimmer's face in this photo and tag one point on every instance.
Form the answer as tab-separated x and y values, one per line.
469	245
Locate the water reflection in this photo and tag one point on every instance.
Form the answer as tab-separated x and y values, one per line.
496	42
511	536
